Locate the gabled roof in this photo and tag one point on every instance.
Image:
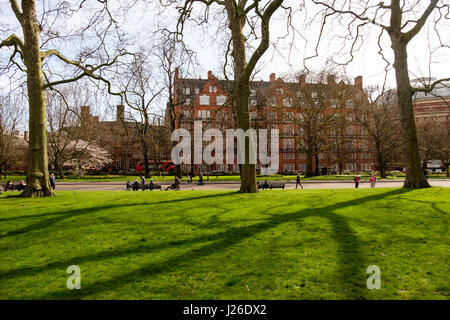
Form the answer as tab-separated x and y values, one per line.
192	84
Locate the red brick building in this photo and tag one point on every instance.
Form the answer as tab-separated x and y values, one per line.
273	106
434	106
119	137
432	114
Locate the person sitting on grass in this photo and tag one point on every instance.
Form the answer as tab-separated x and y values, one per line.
21	186
9	186
176	184
129	186
135	185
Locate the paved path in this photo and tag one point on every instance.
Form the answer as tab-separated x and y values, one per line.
120	186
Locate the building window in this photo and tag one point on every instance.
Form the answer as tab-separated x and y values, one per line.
272	102
287	102
197	90
334	103
204	100
289	167
289	130
186	114
186	90
118	163
349	104
221	100
272	116
253	102
253	92
188	101
212	89
350	130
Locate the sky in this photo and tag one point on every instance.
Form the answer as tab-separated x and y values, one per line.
287	55
290	45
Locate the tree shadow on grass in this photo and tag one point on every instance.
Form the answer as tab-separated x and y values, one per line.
61	216
350	276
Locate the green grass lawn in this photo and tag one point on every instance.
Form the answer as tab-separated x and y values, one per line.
282	244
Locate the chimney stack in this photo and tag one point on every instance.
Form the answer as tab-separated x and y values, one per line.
272	77
210	75
302	79
85	112
176	73
359	82
331	79
120	115
25	136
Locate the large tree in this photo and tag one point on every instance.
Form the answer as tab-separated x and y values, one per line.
35	55
140	92
244	19
312	115
11	145
379	119
66	125
401	21
175	57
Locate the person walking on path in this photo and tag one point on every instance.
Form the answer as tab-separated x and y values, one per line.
52	181
200	178
298	181
142	182
357	181
373	179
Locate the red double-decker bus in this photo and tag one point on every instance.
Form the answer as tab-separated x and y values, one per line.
166	166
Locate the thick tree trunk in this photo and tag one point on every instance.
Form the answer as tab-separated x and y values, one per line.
248	171
146	169
309	164
241	93
381	161
414	173
316	162
38	177
59	169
